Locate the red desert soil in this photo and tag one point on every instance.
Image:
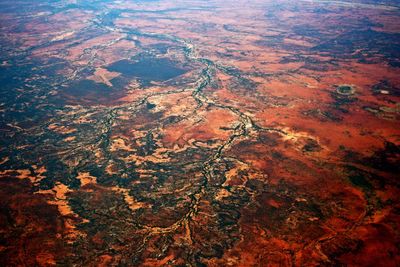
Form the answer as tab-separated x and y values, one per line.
200	133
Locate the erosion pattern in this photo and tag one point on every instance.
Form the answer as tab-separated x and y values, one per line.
199	133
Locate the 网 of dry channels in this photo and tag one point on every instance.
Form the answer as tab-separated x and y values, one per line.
211	133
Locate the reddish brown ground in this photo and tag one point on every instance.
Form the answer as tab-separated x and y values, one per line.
265	133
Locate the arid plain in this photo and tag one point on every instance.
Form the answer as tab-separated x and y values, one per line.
199	133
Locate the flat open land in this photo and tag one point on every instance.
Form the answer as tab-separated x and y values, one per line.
199	133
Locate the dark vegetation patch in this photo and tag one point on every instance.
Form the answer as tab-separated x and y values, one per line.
385	87
148	68
311	146
386	159
364	45
90	91
343	96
